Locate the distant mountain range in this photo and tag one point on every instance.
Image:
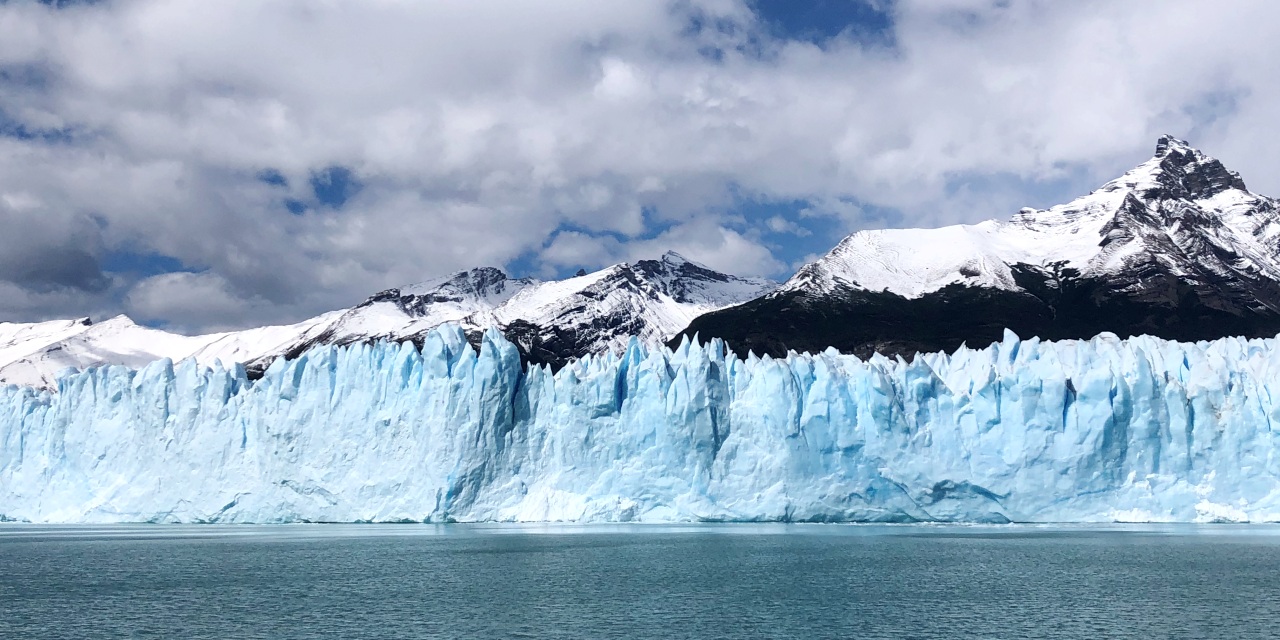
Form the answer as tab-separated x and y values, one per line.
1177	248
552	322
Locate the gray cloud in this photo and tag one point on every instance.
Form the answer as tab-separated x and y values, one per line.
479	132
44	251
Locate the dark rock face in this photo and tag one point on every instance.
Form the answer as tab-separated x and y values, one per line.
1186	176
1055	306
613	309
555	346
678	278
481	282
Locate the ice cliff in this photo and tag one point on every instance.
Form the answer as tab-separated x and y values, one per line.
1099	430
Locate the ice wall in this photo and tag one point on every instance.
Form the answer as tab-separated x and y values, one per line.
1108	429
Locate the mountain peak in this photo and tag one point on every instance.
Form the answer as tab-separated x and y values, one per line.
1168	144
479	280
671	257
1180	206
1177	171
1185	172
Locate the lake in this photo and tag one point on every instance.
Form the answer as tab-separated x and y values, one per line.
694	581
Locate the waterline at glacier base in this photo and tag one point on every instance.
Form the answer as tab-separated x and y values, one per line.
1103	430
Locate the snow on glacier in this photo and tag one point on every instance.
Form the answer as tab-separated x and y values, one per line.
1098	430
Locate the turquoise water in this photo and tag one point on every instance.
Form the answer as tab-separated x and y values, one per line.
704	581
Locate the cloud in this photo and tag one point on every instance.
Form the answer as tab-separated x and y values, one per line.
296	156
44	251
190	300
779	224
704	240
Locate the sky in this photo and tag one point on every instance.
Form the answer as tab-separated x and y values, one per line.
205	166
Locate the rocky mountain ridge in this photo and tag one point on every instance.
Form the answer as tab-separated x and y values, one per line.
552	321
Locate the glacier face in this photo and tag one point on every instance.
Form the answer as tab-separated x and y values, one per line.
1099	430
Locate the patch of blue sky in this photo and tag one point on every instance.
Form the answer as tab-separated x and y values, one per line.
983	196
296	207
64	4
12	128
273	177
794	231
791	230
333	186
869	22
141	263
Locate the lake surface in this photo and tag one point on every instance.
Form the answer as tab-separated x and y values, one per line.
704	581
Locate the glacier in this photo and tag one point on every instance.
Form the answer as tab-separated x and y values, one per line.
1139	429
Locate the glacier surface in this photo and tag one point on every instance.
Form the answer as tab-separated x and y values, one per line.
1100	430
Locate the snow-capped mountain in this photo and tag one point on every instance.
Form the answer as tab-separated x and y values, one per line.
551	321
1177	247
29	351
33	354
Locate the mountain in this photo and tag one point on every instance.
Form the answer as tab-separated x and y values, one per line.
1176	248
552	322
33	354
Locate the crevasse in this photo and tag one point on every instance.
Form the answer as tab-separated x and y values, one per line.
1099	430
